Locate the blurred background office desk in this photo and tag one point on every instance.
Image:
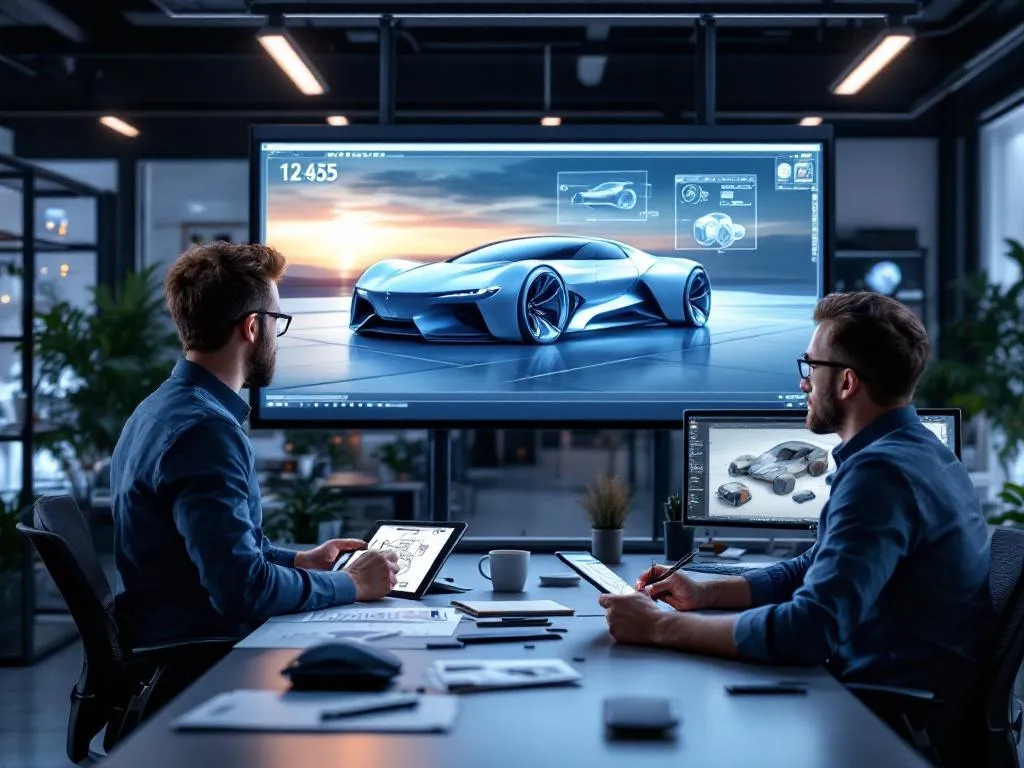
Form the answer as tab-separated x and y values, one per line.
558	726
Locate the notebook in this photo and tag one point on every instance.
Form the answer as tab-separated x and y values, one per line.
482	608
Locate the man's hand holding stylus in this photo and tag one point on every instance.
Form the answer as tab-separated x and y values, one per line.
678	589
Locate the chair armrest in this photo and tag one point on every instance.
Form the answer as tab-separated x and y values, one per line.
894	692
179	646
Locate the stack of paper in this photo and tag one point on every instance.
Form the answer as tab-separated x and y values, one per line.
387	625
488	675
316	711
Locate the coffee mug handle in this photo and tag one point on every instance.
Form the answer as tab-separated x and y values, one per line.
480	567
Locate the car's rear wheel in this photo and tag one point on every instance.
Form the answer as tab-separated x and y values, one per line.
543	307
697	298
784	484
626	200
817	467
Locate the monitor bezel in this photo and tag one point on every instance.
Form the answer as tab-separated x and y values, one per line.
762	413
526	133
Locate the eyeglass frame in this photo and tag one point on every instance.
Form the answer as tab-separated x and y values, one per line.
268	313
805	360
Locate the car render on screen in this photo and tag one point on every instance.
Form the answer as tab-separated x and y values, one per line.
530	289
619	194
782	465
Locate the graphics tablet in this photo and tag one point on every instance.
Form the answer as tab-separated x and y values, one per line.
596	572
422	549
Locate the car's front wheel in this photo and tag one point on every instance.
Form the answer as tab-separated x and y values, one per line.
697	298
626	200
543	307
784	484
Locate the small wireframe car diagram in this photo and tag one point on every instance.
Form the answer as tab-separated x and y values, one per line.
734	494
717	230
801	496
782	465
618	194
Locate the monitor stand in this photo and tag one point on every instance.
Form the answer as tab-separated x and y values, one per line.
446	586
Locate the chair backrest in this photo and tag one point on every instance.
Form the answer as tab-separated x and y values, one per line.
1006	588
64	542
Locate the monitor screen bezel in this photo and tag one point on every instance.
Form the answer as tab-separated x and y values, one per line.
780	413
525	133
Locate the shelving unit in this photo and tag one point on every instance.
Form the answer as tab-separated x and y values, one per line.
39	631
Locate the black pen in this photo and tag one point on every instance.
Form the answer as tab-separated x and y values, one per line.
766	688
380	706
675	567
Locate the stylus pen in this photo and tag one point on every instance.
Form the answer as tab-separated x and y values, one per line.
365	709
676	566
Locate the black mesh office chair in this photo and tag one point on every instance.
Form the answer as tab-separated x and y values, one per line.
118	687
991	740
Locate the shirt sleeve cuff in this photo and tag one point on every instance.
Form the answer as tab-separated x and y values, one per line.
280	556
762	588
750	633
344	588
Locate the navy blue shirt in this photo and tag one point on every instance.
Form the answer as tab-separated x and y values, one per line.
895	589
191	557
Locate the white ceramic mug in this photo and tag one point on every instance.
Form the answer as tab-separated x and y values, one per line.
508	569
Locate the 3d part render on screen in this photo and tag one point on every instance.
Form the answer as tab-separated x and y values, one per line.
767	469
456	281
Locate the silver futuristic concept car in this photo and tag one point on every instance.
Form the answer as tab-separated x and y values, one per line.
530	289
782	465
619	194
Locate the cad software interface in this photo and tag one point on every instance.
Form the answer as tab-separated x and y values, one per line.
765	470
542	281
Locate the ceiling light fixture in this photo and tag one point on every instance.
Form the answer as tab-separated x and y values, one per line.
287	54
551	121
337	120
119	125
811	120
873	60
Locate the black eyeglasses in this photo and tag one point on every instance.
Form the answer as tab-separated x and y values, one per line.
281	321
805	365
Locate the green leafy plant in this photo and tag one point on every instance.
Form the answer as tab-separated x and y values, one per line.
95	367
403	457
303	503
674	508
1012	496
606	503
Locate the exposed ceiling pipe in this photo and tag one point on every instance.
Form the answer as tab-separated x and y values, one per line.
46	14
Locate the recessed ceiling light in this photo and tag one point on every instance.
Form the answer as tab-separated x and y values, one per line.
873	60
811	120
119	125
551	121
289	57
337	120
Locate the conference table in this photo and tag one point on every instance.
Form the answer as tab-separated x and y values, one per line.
559	726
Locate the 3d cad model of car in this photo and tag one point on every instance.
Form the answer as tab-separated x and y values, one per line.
717	230
734	494
530	289
619	194
782	465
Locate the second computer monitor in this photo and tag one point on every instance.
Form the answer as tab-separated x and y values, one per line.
765	468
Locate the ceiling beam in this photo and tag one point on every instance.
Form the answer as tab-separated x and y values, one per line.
50	17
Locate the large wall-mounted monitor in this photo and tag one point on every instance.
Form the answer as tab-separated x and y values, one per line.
765	469
453	275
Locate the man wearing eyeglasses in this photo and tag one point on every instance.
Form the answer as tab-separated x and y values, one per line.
895	589
192	560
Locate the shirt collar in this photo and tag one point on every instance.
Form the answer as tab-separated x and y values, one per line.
888	422
221	392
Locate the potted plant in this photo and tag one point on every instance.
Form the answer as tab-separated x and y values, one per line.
607	506
95	367
340	448
402	458
298	508
678	538
984	374
1012	507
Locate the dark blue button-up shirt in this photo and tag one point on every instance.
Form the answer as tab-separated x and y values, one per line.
191	557
895	589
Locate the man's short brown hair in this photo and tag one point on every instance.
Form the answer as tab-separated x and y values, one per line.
214	285
878	337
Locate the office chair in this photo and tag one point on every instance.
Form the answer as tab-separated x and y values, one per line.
994	738
118	687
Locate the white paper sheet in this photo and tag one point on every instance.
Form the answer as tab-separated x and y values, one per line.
360	613
301	711
287	634
468	675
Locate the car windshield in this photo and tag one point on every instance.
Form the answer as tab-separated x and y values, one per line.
524	249
606	185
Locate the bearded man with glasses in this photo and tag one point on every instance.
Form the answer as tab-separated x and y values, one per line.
192	560
894	590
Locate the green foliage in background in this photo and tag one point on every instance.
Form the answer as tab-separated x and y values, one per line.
296	507
606	503
95	367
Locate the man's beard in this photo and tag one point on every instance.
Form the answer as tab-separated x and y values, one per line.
260	371
826	417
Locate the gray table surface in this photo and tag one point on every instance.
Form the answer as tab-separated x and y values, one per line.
551	726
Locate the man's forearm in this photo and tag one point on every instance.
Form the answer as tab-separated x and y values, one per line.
693	633
731	593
